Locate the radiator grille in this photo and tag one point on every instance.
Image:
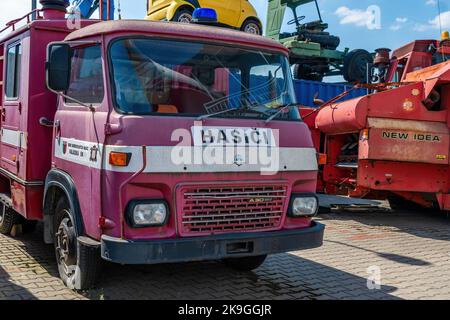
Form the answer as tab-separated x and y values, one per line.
210	210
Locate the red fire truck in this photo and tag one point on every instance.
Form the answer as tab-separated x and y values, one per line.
112	134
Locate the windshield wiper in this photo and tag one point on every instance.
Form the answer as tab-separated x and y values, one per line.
280	111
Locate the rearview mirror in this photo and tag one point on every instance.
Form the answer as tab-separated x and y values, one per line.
58	66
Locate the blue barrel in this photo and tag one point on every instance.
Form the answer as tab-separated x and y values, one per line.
306	90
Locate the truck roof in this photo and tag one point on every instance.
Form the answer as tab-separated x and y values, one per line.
180	30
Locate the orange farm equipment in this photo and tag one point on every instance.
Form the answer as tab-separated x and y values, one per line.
394	143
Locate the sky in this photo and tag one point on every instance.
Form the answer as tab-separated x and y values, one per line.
367	24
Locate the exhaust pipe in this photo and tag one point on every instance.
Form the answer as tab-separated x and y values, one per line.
54	9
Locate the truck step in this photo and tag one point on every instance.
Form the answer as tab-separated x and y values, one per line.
347	165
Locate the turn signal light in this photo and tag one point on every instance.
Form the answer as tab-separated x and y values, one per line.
365	134
322	158
119	159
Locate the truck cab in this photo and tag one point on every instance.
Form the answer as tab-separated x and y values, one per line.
155	142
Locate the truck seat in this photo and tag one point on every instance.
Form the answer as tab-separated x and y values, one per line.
166	108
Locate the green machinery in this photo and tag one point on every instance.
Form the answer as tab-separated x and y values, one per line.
313	51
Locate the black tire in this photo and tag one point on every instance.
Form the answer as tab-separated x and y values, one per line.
78	264
246	263
355	65
183	16
305	72
252	26
8	218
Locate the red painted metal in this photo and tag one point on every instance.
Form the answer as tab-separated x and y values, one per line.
123	185
395	141
177	31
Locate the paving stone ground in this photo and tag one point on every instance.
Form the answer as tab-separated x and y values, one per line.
410	251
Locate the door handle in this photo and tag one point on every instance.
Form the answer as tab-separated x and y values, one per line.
46	123
3	114
57	128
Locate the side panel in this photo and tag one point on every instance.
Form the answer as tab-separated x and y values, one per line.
403	140
397	176
25	148
275	16
13	117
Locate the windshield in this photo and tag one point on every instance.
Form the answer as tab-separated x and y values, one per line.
163	77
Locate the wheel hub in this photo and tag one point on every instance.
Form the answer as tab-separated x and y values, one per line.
65	245
252	28
185	18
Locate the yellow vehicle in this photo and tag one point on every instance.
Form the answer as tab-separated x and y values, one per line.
236	14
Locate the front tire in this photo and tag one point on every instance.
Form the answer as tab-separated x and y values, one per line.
78	264
246	263
8	218
252	26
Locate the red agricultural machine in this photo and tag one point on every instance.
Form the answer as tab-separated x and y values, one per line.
394	143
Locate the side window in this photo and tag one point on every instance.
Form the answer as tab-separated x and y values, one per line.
14	57
86	80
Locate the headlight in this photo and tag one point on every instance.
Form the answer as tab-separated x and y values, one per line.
303	205
147	213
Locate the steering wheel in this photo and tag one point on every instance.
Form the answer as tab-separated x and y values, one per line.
296	20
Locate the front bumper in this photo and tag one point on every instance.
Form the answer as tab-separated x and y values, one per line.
210	248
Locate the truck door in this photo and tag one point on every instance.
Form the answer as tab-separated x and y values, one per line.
12	139
76	145
229	12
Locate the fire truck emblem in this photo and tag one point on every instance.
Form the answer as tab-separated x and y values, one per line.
64	147
238	160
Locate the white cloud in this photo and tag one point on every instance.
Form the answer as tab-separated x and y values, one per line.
420	27
353	16
444	20
431	2
11	11
435	23
399	22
